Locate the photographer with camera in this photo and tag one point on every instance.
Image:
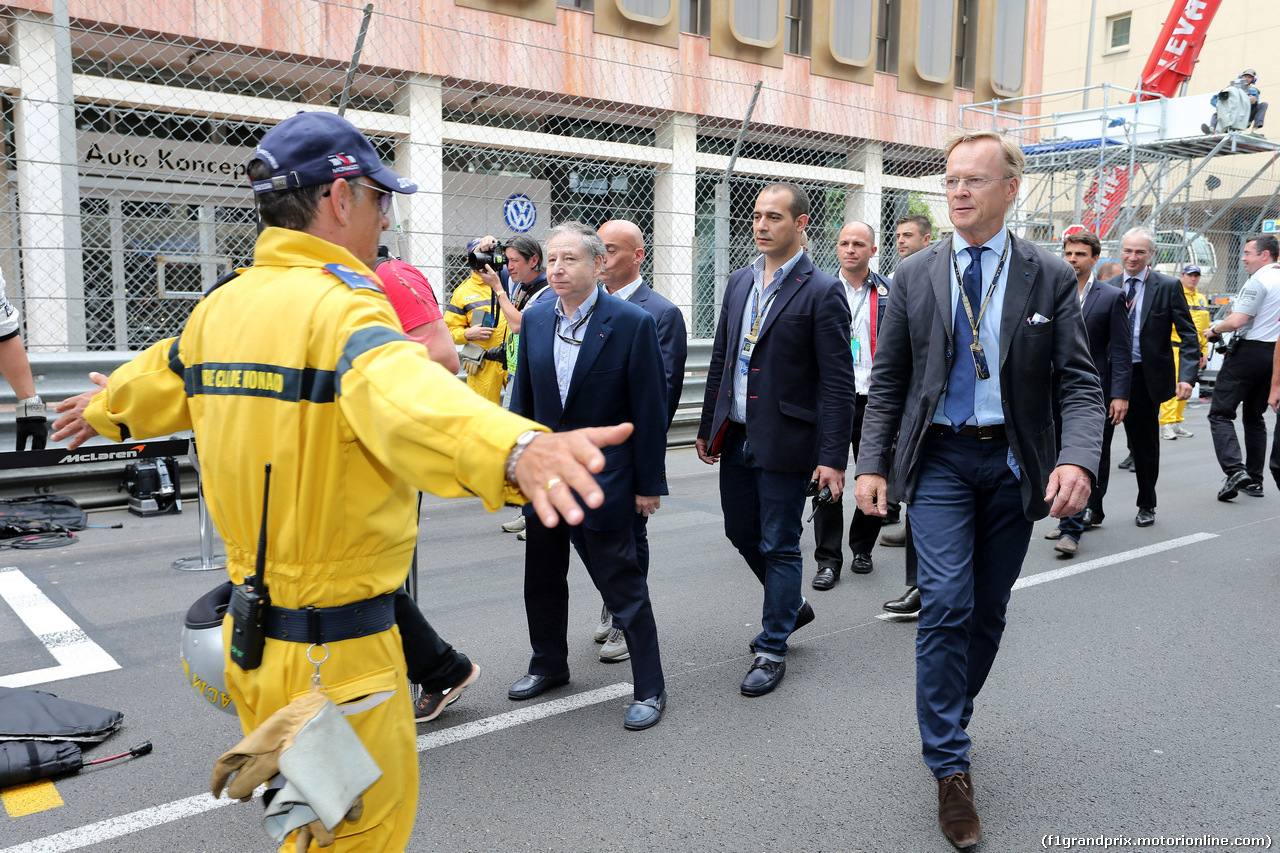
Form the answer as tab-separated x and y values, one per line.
476	322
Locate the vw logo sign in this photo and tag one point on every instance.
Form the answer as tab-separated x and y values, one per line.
520	212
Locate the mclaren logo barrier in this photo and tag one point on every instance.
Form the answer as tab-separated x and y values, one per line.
206	560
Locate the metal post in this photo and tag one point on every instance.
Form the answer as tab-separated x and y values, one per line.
207	561
722	230
355	60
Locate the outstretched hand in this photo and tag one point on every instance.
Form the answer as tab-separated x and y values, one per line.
555	465
72	423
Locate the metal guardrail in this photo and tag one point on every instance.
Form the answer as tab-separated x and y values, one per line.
95	484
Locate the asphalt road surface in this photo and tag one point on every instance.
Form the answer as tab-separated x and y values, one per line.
1136	695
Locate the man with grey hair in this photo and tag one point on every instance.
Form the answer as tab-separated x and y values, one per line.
590	358
1156	309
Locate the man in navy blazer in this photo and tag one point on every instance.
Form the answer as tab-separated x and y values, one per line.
588	359
982	332
778	412
624	253
1106	322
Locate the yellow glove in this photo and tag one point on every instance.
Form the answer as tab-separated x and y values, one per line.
323	837
256	759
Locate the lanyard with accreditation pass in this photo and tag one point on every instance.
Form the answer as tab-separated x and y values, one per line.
757	315
975	348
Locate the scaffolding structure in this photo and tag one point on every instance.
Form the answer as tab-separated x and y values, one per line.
1138	159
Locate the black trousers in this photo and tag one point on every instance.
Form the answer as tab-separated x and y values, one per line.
622	585
1142	426
432	663
828	521
1243	383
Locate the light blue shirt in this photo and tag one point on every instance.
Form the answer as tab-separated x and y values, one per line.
565	354
738	411
1135	311
986	394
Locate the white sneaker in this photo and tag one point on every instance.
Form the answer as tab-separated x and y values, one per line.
605	626
1167	433
521	535
514	526
615	648
1182	432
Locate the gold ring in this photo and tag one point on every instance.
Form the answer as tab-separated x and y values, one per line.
552	483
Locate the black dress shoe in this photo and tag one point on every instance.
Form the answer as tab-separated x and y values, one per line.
862	564
1092	519
1253	490
763	676
535	685
804	616
1231	487
905	606
1145	517
827	577
893	516
1127	464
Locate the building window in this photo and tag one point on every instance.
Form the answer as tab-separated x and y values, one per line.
967	43
887	36
756	22
656	12
852	33
582	5
1118	32
695	17
1008	60
797	23
936	40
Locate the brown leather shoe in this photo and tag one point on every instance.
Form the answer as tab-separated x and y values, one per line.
956	814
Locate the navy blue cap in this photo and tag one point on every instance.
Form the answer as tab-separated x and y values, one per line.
473	244
1190	268
318	148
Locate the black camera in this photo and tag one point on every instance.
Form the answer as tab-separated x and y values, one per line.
495	258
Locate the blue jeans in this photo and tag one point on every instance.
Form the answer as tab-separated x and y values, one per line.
971	536
1072	526
762	518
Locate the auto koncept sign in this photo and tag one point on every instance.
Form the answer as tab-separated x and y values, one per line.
111	155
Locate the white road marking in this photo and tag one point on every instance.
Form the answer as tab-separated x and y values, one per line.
1111	560
71	647
116	827
1086	566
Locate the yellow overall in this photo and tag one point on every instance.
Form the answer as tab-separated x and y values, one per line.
1171	410
473	296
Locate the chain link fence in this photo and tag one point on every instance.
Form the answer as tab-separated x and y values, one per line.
127	128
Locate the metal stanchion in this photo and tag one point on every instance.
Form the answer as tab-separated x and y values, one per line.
206	561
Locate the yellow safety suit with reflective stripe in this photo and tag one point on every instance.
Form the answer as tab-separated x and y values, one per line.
473	296
291	364
1171	410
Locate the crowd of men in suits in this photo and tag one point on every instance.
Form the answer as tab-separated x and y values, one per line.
981	385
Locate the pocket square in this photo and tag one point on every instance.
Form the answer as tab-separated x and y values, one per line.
1037	320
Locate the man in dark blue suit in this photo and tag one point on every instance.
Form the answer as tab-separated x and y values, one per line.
982	332
624	253
587	358
778	412
1106	322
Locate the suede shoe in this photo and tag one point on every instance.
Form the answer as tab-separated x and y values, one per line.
535	685
894	538
862	564
907	605
763	676
1231	487
826	578
1055	533
956	814
1067	546
644	713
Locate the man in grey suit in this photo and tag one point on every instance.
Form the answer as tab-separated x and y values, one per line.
977	331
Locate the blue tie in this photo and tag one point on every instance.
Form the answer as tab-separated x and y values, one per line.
961	383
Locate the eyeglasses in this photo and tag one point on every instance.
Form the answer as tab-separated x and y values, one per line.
970	183
384	200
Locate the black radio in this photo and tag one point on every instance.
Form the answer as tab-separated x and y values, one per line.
250	600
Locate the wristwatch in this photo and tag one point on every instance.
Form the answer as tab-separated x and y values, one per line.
522	441
32	407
